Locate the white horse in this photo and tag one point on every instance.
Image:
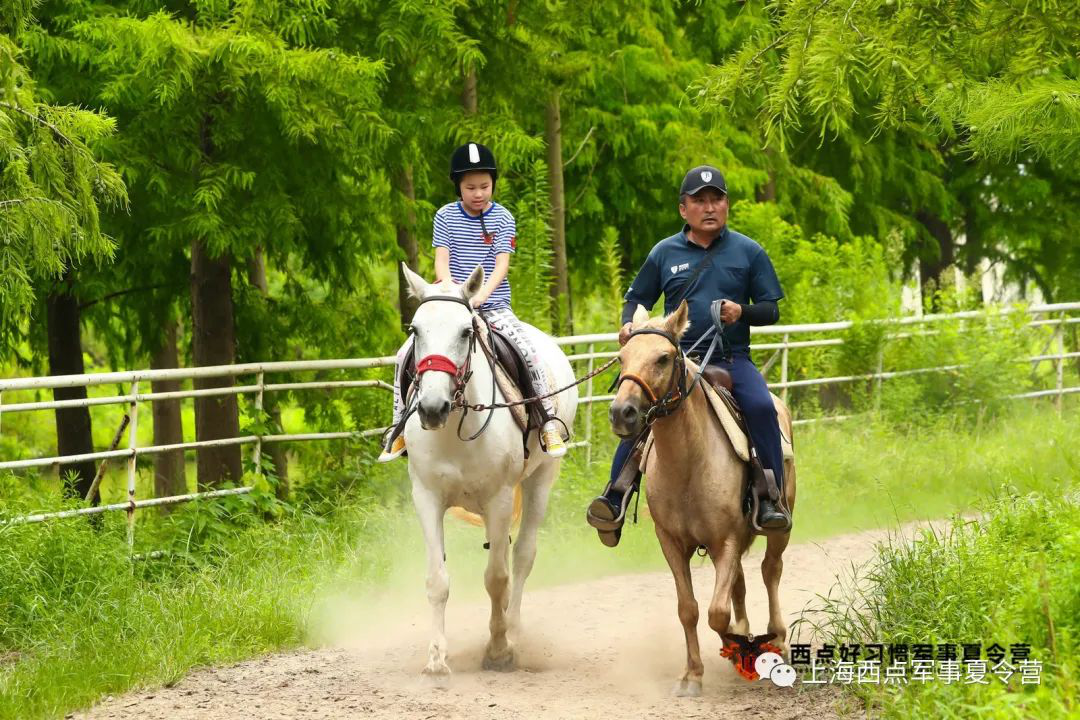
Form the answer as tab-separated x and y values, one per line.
478	475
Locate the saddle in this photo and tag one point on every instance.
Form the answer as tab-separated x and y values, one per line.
717	390
511	374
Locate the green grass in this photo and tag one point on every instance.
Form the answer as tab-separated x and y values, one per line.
1010	577
79	621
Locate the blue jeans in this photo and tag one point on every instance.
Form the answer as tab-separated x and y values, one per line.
752	394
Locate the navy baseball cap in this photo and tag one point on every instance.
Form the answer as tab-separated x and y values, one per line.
700	178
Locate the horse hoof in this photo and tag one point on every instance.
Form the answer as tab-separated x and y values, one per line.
687	688
505	662
436	673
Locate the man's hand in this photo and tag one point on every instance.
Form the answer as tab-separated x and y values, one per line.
478	299
624	334
730	312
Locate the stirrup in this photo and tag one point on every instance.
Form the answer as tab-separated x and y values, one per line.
607	519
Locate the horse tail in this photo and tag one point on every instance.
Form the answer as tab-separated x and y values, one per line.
477	521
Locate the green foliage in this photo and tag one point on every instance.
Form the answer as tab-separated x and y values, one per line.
611	261
530	265
1009	577
922	111
982	356
823	278
52	185
82	621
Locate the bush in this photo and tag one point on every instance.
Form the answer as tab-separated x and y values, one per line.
1010	577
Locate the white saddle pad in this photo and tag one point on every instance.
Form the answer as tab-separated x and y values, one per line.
739	441
512	393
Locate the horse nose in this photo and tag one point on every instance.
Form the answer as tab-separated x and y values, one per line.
433	415
624	418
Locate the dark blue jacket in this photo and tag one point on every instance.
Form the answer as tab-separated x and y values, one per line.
739	269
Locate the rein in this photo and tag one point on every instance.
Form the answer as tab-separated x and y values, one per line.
677	391
461	375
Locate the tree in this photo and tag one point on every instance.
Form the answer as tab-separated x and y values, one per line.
934	102
51	186
243	138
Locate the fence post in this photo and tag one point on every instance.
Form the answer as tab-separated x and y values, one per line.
259	418
1060	361
589	410
877	380
132	444
783	370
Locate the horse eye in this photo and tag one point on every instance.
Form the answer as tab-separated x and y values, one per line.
663	360
466	333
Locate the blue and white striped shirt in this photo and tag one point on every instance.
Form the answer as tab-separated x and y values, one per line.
463	235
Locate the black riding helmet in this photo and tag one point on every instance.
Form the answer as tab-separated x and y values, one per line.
470	157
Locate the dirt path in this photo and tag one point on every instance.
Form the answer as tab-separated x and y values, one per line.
590	650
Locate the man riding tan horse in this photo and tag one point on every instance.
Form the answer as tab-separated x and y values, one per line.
696	483
719	273
702	492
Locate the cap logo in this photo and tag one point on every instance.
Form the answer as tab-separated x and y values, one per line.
706	176
474	153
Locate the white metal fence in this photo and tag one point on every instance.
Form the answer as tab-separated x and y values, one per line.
1057	315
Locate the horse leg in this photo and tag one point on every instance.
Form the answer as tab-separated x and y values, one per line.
499	654
772	567
739	623
678	558
725	560
431	509
534	499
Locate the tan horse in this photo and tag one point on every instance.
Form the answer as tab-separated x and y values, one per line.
695	486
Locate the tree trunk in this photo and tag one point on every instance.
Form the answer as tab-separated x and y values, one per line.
213	342
406	240
73	430
257	272
277	451
767	192
930	268
560	289
468	94
169	476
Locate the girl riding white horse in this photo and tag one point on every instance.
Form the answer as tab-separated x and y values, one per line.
479	475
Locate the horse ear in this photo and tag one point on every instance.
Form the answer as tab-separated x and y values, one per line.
417	285
474	283
678	321
640	315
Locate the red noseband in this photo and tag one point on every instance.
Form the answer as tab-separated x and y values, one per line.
437	363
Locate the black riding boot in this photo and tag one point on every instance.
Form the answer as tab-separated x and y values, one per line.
771	516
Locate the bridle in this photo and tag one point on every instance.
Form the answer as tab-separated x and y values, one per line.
669	402
441	363
677	391
460	374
